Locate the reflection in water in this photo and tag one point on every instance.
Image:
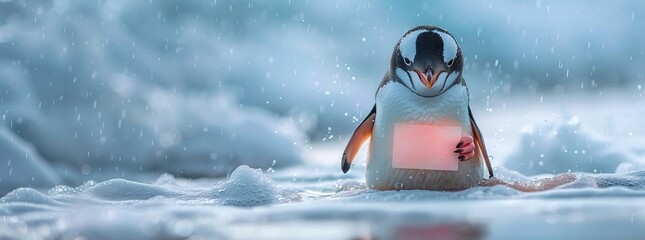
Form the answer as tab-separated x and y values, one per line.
413	231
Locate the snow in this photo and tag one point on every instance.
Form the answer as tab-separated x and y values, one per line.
290	208
570	148
95	110
227	119
247	188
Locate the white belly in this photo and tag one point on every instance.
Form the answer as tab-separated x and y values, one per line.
395	103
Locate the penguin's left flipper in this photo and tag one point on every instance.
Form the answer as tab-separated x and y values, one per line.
479	143
361	134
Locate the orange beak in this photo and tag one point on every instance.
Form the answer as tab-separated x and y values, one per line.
424	79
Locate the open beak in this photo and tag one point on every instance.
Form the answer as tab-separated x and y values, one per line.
424	79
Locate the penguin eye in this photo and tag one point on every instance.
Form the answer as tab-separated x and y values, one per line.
450	63
407	61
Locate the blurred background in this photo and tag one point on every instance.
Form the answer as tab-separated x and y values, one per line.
132	89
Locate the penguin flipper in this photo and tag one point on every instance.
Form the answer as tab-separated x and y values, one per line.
361	134
479	143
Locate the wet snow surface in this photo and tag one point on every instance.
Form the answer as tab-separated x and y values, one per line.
320	205
315	201
137	119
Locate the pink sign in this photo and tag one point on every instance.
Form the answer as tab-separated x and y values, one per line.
422	146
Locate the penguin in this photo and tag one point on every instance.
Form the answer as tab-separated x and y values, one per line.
424	85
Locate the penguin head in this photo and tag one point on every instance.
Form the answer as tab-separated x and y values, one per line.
427	60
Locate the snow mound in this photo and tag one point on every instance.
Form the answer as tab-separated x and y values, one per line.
120	189
21	166
28	195
552	148
247	187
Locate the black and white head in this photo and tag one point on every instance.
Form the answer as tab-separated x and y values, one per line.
427	60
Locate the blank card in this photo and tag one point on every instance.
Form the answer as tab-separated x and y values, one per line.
422	146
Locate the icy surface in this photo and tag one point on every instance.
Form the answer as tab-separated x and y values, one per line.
297	207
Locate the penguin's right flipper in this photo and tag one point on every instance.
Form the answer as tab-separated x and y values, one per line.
361	134
479	143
